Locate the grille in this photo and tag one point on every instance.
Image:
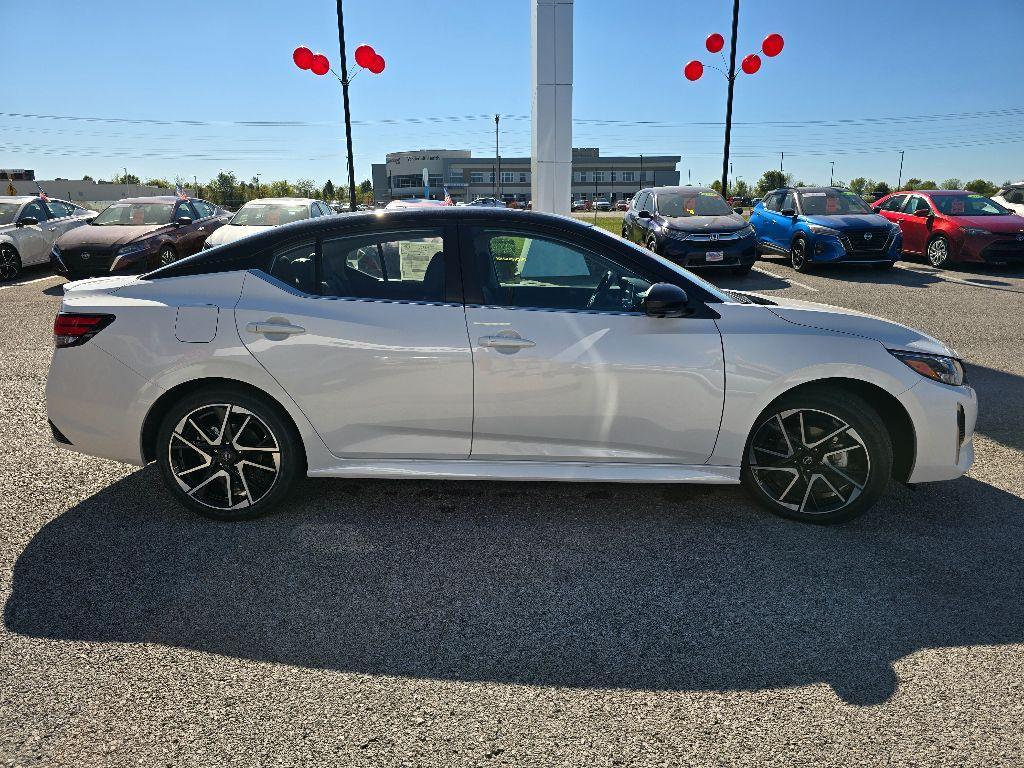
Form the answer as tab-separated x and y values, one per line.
1004	250
98	263
865	240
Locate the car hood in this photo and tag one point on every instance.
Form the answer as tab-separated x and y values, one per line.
103	237
991	223
891	335
853	220
729	223
231	232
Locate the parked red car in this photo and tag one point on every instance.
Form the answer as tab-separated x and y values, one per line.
954	225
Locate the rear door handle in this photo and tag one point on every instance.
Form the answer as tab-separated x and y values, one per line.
506	342
273	328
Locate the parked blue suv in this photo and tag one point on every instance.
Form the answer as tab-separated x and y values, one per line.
824	225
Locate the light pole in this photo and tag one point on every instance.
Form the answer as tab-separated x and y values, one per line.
832	174
497	159
899	183
782	156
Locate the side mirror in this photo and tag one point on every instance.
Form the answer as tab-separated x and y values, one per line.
923	213
738	210
788	212
666	300
27	221
183	220
645	215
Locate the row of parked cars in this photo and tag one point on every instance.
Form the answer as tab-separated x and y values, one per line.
696	227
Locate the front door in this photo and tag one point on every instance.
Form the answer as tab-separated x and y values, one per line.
376	354
566	367
785	221
33	241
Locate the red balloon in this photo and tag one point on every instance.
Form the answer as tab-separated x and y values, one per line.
377	65
693	70
772	45
751	63
320	65
364	55
715	42
303	57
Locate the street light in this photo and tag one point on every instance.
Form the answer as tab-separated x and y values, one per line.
771	46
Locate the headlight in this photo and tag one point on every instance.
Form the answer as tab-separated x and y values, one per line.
948	370
975	231
128	250
817	229
676	234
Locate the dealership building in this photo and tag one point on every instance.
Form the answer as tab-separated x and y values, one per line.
466	177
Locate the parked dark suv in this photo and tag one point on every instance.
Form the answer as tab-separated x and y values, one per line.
691	226
136	235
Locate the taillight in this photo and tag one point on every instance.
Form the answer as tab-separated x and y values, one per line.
72	330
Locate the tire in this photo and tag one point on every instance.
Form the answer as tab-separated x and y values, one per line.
798	255
10	263
937	252
742	270
830	470
652	244
262	454
166	255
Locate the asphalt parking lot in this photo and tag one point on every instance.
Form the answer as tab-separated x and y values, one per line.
427	623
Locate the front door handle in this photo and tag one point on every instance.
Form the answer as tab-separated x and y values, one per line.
270	328
506	342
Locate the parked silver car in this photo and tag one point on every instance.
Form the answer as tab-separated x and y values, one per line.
29	226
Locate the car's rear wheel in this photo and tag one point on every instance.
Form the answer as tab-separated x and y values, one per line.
166	255
228	455
818	457
652	244
798	255
938	251
10	263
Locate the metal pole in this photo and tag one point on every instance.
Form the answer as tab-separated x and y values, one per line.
728	103
900	182
348	113
832	174
782	156
497	159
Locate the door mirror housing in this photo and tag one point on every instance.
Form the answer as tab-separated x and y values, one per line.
666	300
183	221
923	213
645	215
738	210
27	221
788	212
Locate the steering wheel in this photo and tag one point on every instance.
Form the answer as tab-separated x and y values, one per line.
602	288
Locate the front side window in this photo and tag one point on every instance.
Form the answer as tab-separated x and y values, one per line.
522	270
134	214
771	202
35	210
788	202
894	203
7	212
648	203
405	266
57	209
184	209
917	203
203	208
295	266
968	205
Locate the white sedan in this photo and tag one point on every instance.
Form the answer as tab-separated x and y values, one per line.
488	344
29	226
266	213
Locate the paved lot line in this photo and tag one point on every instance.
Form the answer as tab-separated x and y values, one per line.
805	286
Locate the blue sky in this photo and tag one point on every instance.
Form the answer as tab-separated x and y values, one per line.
957	111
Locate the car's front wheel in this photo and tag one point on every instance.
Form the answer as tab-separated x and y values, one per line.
228	454
10	263
818	457
798	255
652	244
166	255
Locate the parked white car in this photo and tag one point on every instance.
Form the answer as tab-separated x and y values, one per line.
474	343
488	202
1012	197
29	226
266	213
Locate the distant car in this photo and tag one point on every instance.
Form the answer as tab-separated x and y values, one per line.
824	225
137	234
29	226
264	213
579	205
1011	197
413	202
488	202
948	226
755	200
692	227
622	205
602	205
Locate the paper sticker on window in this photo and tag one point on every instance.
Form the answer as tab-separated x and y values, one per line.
831	205
415	256
957	207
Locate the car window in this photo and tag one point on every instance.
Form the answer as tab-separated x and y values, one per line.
57	209
183	209
522	270
788	202
1014	196
203	208
917	203
649	202
638	201
295	265
895	203
314	210
35	210
771	203
402	266
968	205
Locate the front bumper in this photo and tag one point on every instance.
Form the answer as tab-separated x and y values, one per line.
97	262
828	249
693	253
990	249
944	419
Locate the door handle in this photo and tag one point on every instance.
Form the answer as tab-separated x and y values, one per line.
274	328
505	342
202	229
51	229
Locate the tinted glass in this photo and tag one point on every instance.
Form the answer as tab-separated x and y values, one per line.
269	214
771	202
830	202
58	209
35	210
295	265
649	202
968	205
7	212
520	270
134	214
788	202
894	203
693	203
203	208
184	209
406	266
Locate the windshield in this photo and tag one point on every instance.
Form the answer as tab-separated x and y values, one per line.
8	212
134	215
968	205
269	214
695	203
831	202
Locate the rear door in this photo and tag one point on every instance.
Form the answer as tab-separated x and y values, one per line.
188	238
375	350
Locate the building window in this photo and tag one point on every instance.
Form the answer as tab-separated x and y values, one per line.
522	178
507	177
648	175
628	176
476	177
598	176
455	174
583	176
615	176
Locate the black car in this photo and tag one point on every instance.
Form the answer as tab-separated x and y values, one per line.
691	226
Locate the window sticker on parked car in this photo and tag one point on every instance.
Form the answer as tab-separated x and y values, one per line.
831	205
414	256
957	207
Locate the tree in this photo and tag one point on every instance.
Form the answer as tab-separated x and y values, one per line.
162	183
913	183
740	188
280	189
717	186
770	180
364	194
881	188
129	178
87	177
305	188
951	184
860	185
328	191
223	190
981	187
928	185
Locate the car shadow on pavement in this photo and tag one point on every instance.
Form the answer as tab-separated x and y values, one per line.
604	586
1001	404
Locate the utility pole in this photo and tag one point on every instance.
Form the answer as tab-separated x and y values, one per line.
641	172
497	156
899	183
782	156
832	174
728	102
348	113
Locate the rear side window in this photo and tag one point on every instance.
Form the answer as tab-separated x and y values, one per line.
203	208
295	265
771	203
396	266
58	209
